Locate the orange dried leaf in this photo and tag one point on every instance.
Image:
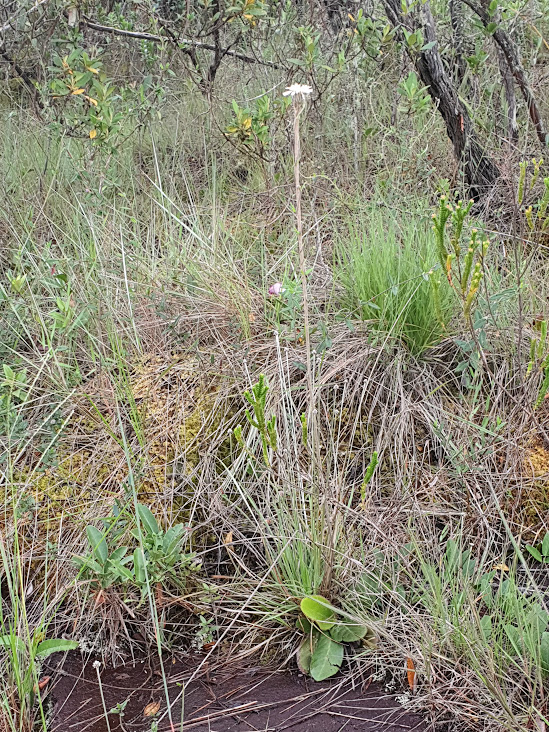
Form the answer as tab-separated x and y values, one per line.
42	683
411	674
151	709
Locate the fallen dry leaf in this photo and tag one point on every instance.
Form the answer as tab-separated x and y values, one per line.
411	675
228	540
151	709
99	599
159	594
42	683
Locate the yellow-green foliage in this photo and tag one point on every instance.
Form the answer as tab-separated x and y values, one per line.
534	497
175	409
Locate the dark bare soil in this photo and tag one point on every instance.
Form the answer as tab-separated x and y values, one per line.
228	699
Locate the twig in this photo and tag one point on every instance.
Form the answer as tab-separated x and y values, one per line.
143	36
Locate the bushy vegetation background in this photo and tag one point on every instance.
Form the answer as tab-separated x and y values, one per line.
260	347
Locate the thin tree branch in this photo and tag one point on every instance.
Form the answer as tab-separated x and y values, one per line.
140	35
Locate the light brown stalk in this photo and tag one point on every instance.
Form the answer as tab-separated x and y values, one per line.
299	106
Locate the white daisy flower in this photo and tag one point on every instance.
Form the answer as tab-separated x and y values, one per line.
301	90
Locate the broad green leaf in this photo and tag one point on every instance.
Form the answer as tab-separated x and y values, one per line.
452	555
55	645
348	633
514	635
139	564
544	652
534	552
314	608
147	519
536	619
118	554
545	545
12	641
326	659
97	543
486	627
122	571
304	655
172	538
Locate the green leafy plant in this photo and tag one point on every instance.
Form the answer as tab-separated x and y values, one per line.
464	267
102	567
540	553
250	126
158	558
320	653
85	102
25	656
534	206
416	97
266	427
95	100
503	615
13	394
539	360
161	556
247	11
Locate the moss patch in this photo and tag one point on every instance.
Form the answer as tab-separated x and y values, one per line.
172	411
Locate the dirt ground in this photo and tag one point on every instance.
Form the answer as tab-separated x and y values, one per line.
228	699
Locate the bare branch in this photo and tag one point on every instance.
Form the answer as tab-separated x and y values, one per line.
140	35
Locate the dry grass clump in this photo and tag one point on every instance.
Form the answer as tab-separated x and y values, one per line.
166	410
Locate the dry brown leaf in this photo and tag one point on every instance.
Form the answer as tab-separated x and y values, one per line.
228	540
159	594
411	675
42	683
151	709
99	598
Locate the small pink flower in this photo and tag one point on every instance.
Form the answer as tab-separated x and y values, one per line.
276	289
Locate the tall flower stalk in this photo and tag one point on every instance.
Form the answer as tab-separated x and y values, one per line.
299	94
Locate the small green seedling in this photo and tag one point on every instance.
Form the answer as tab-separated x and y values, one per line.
161	556
367	478
24	657
540	554
266	427
320	654
102	567
463	264
158	558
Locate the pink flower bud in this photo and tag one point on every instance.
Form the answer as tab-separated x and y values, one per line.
276	289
